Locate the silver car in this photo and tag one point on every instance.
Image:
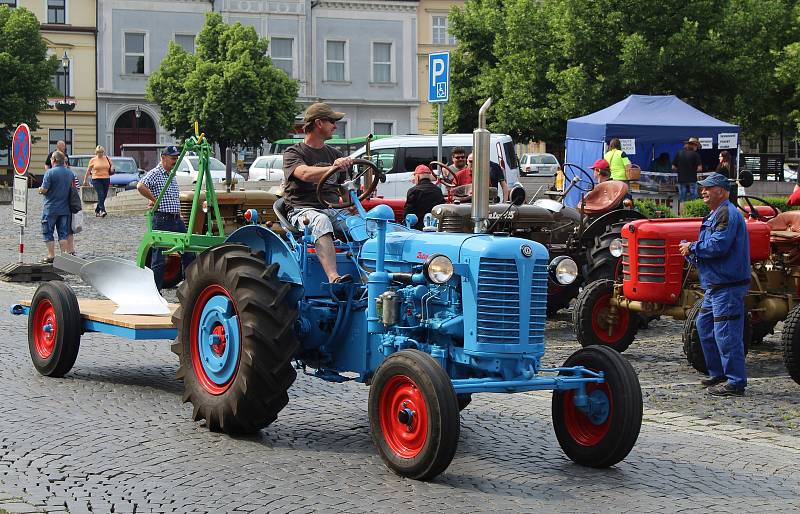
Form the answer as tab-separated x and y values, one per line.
538	163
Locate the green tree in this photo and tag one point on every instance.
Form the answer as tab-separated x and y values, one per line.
229	86
27	71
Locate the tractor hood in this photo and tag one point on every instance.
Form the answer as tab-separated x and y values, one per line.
404	250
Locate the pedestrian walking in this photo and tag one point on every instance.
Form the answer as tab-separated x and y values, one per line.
423	196
61	146
56	215
168	214
722	257
100	168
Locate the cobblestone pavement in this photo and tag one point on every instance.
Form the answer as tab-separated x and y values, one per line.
113	435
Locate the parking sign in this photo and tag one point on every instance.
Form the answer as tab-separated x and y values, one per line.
439	77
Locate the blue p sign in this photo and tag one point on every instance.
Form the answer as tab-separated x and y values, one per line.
439	77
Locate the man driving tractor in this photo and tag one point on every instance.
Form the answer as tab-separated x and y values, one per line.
304	164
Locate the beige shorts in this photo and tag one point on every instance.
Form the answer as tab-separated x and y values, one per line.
321	221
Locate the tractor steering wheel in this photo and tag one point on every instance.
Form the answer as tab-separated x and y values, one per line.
445	176
577	184
753	212
351	184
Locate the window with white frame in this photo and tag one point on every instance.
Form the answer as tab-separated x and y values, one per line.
383	128
336	60
56	135
10	3
381	62
281	50
440	35
61	79
57	11
134	53
185	41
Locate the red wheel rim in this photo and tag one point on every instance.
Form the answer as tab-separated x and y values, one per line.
582	429
401	394
600	321
45	329
194	340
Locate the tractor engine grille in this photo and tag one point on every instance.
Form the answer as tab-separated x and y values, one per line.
454	223
538	318
498	301
650	260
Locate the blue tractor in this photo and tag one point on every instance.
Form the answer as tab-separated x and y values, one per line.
435	318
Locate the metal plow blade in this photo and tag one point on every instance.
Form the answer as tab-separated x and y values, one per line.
132	288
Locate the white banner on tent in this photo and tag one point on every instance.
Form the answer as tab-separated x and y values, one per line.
727	141
628	146
706	143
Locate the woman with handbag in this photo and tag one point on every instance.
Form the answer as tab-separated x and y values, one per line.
101	169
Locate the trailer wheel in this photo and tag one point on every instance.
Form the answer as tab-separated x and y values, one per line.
235	340
593	323
605	433
600	264
791	343
691	339
54	329
413	415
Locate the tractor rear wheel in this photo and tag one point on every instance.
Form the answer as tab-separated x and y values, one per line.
54	329
595	323
413	415
791	343
600	264
558	296
691	339
173	269
603	433
762	329
235	340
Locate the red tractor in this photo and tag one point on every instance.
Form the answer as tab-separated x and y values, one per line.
657	280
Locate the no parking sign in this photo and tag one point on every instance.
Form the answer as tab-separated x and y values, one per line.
21	158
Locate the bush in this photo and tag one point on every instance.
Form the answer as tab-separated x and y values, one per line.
653	210
694	209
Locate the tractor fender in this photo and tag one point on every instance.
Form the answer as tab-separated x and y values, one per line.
260	239
598	225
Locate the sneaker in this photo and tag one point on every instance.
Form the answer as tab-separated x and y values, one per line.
708	382
725	390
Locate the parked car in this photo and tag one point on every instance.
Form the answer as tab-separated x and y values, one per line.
126	172
187	171
267	167
538	163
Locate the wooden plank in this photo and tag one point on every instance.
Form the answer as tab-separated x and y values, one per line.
103	311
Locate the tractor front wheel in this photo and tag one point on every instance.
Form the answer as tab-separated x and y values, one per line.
54	329
413	415
791	343
235	340
597	322
603	432
691	339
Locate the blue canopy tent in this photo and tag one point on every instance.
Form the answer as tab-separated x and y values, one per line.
656	123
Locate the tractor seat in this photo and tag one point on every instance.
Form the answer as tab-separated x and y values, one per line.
283	217
785	221
605	197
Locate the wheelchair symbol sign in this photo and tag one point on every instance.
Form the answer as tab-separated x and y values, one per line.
439	77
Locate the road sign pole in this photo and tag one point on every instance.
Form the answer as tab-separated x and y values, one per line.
21	243
441	126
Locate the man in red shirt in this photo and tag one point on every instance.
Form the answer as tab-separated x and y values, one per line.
464	176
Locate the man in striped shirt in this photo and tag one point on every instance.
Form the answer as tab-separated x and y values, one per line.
168	215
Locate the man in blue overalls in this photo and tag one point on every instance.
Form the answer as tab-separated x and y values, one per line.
722	257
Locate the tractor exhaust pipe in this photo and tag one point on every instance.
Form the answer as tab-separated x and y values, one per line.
480	170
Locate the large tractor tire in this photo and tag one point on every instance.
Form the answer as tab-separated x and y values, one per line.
604	433
600	264
413	415
590	318
235	340
791	343
54	329
691	339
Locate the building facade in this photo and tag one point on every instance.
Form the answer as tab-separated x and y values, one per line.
67	26
433	36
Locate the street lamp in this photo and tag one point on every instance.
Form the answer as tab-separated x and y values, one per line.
65	66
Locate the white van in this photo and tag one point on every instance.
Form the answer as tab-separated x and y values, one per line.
400	155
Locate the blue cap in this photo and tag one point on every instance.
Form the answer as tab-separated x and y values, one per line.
713	180
171	150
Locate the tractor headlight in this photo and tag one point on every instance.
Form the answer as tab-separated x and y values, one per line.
563	270
615	248
438	269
